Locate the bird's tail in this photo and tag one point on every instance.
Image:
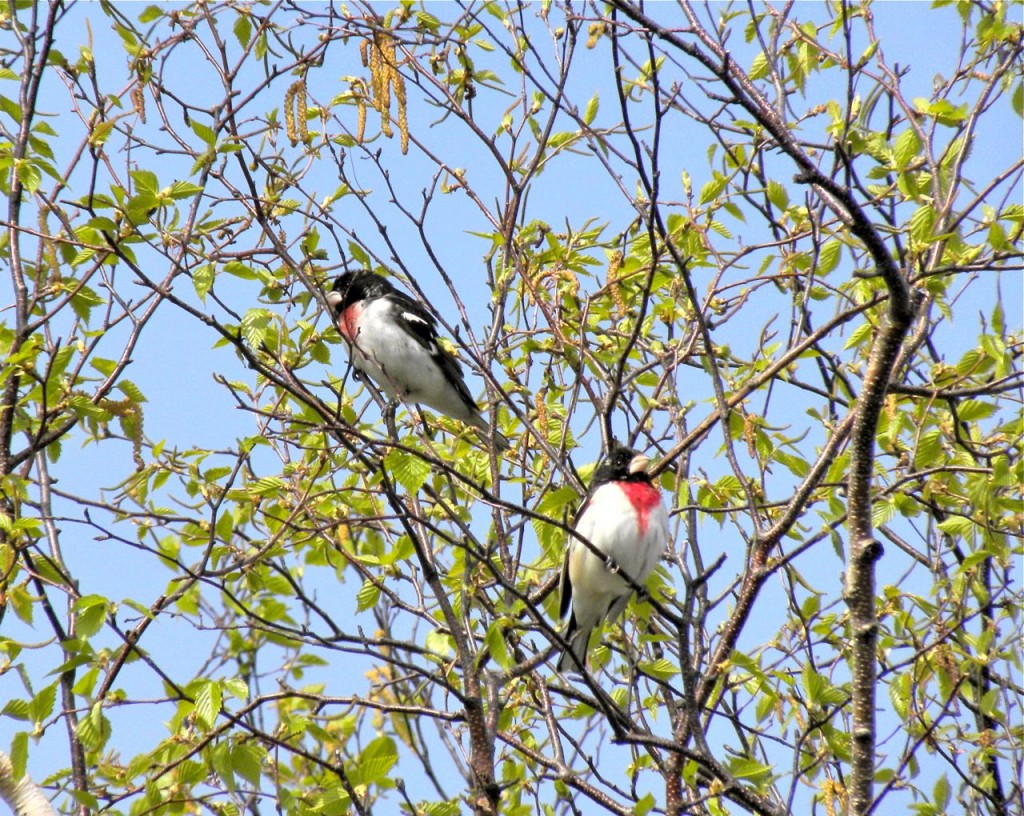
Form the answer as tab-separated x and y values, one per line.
501	443
579	640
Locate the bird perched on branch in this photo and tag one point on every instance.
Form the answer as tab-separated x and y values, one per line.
625	520
393	340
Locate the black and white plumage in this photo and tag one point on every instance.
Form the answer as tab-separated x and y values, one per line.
624	518
392	339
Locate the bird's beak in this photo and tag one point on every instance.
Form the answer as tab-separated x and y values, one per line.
638	464
334	299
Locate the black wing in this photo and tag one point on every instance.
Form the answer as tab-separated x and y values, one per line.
564	587
422	326
412	317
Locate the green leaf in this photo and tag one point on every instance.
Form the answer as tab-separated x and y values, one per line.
720	228
16	709
29	175
100	132
554	505
410	471
202	280
208	703
203	132
561	139
151	13
944	111
358	253
94	728
828	257
496	645
41	706
255	323
749	769
427	21
184	189
240	270
760	67
971	410
242	30
367	596
145	181
439	644
247	761
237	688
900	694
19	755
778	195
662	669
591	111
131	390
859	335
220	759
921	223
21	602
645	805
83	302
907	147
91	614
711	190
941	794
374	762
957	526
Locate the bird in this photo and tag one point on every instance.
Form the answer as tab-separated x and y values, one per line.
393	340
624	518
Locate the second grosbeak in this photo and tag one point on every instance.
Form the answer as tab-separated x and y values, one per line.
625	520
393	340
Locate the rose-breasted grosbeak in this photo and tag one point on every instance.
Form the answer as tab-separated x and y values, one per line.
393	340
623	517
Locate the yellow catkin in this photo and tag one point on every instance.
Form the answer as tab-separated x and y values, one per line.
379	55
343	535
129	414
139	102
301	111
359	91
397	82
383	83
295	112
830	791
557	273
542	419
614	266
289	115
376	78
403	114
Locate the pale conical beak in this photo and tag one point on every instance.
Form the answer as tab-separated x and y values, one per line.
638	464
334	299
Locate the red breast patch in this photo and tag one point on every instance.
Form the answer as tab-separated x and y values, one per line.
644	497
349	320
